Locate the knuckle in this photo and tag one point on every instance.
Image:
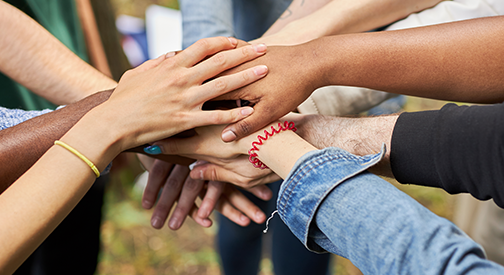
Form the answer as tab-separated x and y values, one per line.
213	175
193	186
244	127
163	207
172	184
202	43
219	59
220	84
216	118
246	51
246	76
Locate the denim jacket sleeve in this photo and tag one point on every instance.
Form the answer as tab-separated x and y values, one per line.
333	205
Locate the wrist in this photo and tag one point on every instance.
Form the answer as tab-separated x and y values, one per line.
277	149
359	136
96	137
313	65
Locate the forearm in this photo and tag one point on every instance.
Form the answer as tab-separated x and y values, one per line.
37	60
359	136
460	61
22	145
279	152
37	202
302	23
296	10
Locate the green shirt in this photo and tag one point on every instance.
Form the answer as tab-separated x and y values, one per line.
60	18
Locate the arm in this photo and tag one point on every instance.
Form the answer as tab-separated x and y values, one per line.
457	148
22	145
460	61
332	205
37	60
297	10
135	114
307	20
179	188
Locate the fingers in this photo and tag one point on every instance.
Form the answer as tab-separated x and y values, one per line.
226	208
228	83
217	173
157	177
226	60
190	192
149	64
206	222
179	146
261	191
263	114
211	198
221	117
203	48
241	203
169	195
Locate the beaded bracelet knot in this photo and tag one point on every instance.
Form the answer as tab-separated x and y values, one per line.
286	125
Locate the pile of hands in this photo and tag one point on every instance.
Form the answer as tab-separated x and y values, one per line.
219	151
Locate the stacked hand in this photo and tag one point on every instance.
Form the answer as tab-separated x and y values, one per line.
167	93
190	77
292	77
179	187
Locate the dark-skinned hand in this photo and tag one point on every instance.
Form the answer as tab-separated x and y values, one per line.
291	78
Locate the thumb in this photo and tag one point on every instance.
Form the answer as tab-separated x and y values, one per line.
259	119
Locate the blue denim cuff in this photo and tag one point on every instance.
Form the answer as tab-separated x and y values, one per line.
313	177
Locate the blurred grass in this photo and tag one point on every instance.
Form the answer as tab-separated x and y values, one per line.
132	246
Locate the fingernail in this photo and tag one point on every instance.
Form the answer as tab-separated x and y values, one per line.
228	136
174	223
243	218
203	214
146	204
170	54
259	216
233	41
152	150
156	223
247	111
201	174
207	222
200	162
260	70
260	48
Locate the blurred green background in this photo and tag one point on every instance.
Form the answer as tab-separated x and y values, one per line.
131	246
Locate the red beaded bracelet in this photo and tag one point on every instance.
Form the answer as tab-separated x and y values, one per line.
287	125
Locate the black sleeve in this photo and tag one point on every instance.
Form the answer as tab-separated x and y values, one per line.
457	148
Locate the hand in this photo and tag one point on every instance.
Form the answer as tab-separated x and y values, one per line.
238	171
291	79
167	93
228	162
178	187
